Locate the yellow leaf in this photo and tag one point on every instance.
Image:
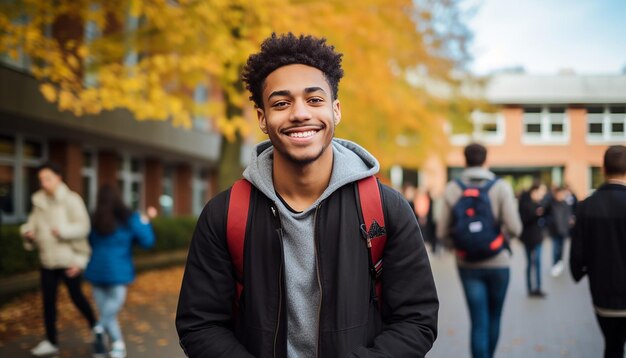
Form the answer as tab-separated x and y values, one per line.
48	91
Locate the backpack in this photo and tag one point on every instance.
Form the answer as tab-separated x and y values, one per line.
475	232
370	211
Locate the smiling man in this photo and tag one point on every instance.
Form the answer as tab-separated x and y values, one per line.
307	280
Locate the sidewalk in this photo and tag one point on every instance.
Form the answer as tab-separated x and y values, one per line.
562	325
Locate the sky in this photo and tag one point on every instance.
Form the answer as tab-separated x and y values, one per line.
548	36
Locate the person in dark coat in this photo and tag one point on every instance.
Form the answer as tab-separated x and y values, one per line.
599	250
559	227
532	213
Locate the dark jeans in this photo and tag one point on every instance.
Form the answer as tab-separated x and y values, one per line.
533	260
557	248
614	331
485	290
49	286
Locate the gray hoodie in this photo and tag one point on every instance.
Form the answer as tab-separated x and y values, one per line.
350	163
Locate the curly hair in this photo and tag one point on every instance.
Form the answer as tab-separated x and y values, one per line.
287	49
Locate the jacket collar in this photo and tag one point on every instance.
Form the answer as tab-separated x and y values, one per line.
612	186
41	199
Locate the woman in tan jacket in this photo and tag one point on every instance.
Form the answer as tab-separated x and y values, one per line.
57	227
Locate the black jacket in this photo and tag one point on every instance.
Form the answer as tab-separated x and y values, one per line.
532	233
599	245
350	324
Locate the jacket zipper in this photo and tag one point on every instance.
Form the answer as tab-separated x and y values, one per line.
319	282
279	229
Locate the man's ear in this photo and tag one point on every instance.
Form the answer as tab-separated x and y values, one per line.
260	114
337	111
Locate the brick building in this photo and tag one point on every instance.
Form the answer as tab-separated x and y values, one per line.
555	128
151	162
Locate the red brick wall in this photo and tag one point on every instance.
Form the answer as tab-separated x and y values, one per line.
70	157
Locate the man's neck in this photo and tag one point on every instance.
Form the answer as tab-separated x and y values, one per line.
616	179
301	185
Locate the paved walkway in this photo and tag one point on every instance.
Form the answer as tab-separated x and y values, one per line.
562	325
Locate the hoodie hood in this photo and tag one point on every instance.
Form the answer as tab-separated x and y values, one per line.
351	162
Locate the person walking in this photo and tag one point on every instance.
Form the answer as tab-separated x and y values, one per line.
308	283
487	206
115	231
532	211
57	227
559	227
598	250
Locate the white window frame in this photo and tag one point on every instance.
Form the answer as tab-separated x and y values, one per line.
18	162
545	136
479	119
607	136
198	185
92	173
128	178
169	179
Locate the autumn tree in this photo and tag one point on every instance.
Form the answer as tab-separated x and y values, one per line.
152	57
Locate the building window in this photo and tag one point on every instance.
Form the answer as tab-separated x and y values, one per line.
606	123
166	200
201	181
617	119
532	121
19	158
130	179
596	178
545	125
488	127
90	178
556	117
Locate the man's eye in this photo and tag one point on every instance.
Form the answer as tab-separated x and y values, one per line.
279	104
316	100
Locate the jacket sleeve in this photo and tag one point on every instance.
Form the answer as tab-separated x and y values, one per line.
142	231
78	224
410	303
29	225
577	262
204	314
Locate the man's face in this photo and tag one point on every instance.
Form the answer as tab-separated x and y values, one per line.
299	114
49	180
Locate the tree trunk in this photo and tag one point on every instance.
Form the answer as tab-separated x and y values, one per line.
230	164
229	168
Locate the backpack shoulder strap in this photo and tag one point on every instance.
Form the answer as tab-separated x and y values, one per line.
460	183
487	186
373	218
373	229
238	206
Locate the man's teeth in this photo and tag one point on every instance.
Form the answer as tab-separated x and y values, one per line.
302	134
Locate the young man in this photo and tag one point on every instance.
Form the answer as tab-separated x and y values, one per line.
485	281
57	227
307	287
599	250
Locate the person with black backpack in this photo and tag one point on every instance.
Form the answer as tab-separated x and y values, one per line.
308	256
478	218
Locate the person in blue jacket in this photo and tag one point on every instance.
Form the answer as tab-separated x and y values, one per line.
115	229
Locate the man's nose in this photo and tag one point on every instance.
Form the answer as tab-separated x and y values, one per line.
300	111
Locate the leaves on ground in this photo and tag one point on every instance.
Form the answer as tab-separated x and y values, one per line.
154	291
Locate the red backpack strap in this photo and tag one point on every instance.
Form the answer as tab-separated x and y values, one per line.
238	206
373	229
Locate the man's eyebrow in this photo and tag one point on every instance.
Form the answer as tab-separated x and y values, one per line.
278	94
314	89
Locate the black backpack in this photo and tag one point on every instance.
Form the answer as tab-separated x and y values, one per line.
475	232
